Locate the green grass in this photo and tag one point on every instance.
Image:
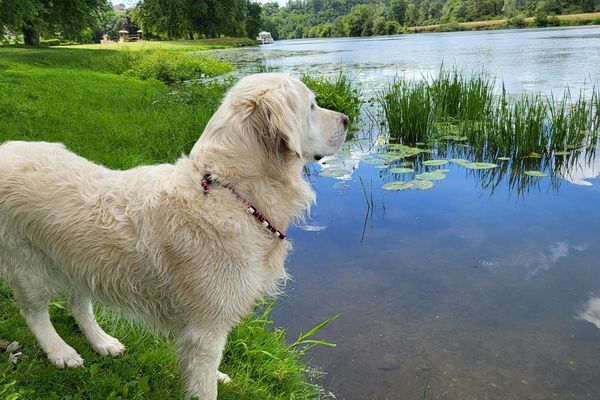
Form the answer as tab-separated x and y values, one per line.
118	121
174	45
71	96
143	63
257	357
338	93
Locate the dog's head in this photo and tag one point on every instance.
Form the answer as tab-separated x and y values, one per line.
282	111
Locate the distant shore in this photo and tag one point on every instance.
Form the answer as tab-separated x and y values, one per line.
526	22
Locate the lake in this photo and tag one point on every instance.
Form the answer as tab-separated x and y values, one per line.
487	285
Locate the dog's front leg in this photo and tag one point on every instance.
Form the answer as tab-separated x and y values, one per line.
199	352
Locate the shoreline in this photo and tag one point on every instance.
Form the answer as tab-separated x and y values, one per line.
529	22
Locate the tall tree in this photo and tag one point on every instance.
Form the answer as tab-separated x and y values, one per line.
163	17
35	16
253	19
398	10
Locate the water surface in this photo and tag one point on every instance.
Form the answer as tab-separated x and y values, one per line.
488	284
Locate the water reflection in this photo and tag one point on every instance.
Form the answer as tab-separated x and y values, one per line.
544	260
591	312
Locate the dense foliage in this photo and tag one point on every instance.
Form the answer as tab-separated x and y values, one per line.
32	17
189	18
324	18
87	21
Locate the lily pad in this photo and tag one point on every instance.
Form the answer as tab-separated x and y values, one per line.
539	174
400	170
562	153
460	161
398	185
406	164
372	160
480	165
421	184
504	158
392	156
333	172
535	155
431	176
435	162
442	170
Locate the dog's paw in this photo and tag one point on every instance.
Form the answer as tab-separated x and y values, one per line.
66	358
108	346
224	378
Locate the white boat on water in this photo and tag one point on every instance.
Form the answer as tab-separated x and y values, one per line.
264	38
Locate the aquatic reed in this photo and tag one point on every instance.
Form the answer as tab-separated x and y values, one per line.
455	106
408	110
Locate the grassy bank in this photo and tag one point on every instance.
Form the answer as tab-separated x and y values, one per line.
175	45
528	22
78	96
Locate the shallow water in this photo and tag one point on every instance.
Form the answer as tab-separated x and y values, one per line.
487	284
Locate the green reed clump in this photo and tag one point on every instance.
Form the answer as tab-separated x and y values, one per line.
459	107
596	107
339	93
408	110
457	97
572	122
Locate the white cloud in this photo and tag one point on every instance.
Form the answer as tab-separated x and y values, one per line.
591	312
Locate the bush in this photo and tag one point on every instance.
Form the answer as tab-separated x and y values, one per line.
176	67
392	28
338	94
517	21
541	19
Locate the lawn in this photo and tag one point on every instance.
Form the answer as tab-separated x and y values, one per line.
175	45
84	98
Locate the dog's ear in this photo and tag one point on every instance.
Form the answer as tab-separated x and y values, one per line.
274	115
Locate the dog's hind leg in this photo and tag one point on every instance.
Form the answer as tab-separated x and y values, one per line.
101	342
33	296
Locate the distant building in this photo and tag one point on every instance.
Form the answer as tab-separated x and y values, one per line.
119	7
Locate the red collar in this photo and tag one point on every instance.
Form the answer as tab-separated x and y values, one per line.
207	180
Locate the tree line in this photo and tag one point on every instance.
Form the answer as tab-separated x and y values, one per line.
174	19
88	20
325	18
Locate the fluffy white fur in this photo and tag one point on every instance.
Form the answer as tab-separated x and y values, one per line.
149	242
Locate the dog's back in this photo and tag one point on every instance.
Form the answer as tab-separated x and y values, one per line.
33	175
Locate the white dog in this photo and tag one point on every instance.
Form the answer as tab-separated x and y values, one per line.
172	245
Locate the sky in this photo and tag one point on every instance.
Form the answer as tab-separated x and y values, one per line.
281	2
131	3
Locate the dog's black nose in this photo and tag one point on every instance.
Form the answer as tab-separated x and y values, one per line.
345	120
